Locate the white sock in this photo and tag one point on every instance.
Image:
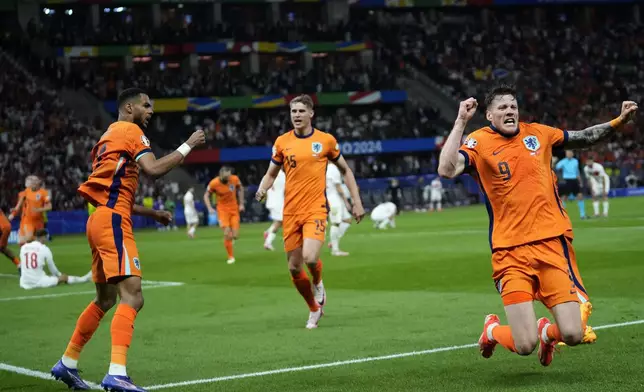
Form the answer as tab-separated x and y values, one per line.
489	330
596	207
192	230
117	370
344	226
70	363
335	234
544	334
383	223
270	237
605	207
77	279
392	223
439	205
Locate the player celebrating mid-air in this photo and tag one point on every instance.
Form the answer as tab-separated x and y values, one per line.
304	153
339	206
190	212
34	201
227	187
531	251
275	205
599	184
117	157
33	257
569	167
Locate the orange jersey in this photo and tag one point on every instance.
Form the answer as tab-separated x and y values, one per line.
115	174
305	159
519	185
34	199
226	193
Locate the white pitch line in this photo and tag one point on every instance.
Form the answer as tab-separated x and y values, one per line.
343	363
37	374
147	286
46	376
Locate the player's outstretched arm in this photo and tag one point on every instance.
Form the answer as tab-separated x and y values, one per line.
596	133
350	181
163	217
159	167
267	181
451	164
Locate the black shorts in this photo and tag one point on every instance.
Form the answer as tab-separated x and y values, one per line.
569	187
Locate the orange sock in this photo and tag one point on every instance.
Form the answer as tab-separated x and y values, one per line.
502	334
316	271
229	248
86	325
303	285
121	331
16	261
553	333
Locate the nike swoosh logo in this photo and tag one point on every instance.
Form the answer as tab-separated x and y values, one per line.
498	151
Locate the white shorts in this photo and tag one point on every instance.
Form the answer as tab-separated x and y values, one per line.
436	196
338	210
598	190
44	282
192	217
383	211
277	213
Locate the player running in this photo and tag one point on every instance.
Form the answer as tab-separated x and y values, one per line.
569	168
530	235
34	201
227	187
304	153
190	212
33	257
117	157
384	215
599	184
275	205
340	206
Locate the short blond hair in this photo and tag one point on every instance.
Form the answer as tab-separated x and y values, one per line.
304	99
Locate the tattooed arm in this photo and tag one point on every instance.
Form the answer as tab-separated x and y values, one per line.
596	133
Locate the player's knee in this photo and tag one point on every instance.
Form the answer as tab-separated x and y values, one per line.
310	258
525	346
571	336
105	303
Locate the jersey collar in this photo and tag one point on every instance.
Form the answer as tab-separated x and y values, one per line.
304	136
493	128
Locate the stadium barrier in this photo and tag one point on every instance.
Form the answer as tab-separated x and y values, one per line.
73	222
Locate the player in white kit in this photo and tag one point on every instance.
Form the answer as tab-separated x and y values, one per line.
339	206
190	212
384	215
599	184
275	205
33	257
436	195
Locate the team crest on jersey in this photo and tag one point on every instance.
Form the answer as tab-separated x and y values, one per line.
470	142
145	141
37	196
531	143
316	147
137	263
231	187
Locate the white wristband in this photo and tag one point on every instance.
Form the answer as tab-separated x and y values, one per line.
184	149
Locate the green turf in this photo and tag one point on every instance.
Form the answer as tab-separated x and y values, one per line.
421	286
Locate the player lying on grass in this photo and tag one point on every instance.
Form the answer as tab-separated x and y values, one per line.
530	233
34	255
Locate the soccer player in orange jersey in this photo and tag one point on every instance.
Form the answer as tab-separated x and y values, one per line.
116	269
304	153
227	187
34	201
529	230
5	231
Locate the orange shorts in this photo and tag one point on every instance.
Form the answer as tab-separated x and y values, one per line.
297	227
111	240
27	229
227	219
543	270
5	230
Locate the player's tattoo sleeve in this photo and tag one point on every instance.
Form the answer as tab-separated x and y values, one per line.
589	136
